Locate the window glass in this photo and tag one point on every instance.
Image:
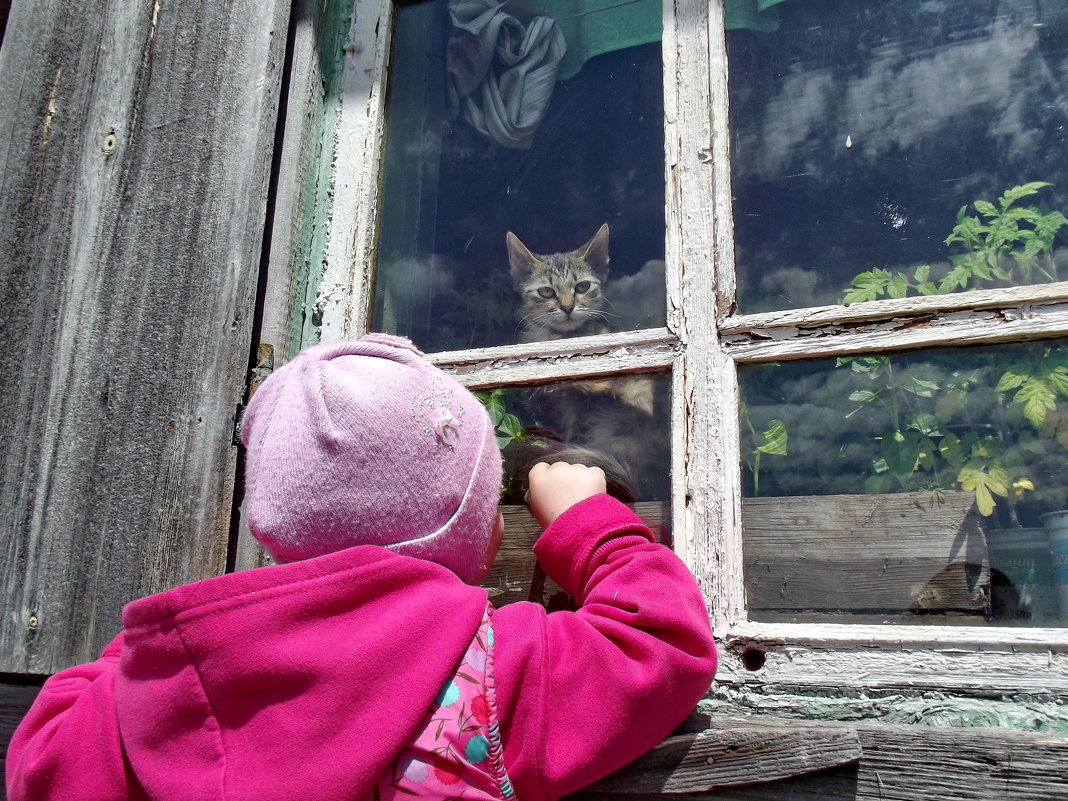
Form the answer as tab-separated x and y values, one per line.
617	423
884	149
523	186
916	487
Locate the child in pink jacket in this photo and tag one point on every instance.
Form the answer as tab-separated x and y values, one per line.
368	664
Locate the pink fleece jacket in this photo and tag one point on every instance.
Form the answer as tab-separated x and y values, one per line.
305	680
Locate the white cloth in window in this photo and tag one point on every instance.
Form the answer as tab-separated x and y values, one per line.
502	69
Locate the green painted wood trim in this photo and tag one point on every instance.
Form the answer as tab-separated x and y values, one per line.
330	30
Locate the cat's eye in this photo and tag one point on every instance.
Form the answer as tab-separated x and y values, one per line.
548	292
582	287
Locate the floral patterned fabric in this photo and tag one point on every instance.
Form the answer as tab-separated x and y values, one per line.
457	752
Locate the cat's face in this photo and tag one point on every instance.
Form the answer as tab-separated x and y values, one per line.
561	292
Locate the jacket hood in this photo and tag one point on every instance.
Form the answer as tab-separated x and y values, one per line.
288	680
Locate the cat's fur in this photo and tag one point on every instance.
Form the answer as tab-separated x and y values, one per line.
563	295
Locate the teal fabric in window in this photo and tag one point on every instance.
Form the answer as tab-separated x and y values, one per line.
593	27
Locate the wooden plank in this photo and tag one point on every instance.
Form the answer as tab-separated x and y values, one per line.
851	553
984	326
896	762
855	586
541	362
135	155
976	661
303	186
788	322
693	763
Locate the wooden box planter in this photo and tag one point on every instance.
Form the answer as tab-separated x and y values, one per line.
907	556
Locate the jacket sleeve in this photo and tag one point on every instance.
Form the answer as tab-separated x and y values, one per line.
68	744
580	694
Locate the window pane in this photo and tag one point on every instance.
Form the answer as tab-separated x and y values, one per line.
619	424
883	148
917	487
565	154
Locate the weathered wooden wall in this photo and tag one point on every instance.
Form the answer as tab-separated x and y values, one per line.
135	152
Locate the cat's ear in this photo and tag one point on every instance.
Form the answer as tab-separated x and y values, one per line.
595	252
520	259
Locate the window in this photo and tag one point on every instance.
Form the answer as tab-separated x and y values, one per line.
869	204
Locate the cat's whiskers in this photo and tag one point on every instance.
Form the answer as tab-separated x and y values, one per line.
538	319
601	313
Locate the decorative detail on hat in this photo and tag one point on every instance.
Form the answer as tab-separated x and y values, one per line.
447	428
434	412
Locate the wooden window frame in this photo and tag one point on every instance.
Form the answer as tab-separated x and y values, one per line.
702	345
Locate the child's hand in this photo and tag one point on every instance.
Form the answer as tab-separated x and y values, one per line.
557	487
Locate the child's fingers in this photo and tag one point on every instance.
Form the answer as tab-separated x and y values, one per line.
555	488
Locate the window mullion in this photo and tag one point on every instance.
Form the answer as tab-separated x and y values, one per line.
555	360
876	310
1014	322
706	495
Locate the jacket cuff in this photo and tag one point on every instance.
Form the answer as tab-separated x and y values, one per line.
580	540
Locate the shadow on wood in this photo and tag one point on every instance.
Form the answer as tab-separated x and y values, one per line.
866	554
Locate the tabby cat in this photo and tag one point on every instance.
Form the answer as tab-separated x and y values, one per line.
561	292
606	419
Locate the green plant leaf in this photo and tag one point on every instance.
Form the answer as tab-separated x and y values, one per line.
1033	245
986	208
1010	196
1057	378
878	484
1011	379
1048	225
952	450
775	439
863	396
949	402
926	423
901	452
957	278
898	286
922	273
921	387
872	366
985	483
511	425
1038	398
1020	213
868	285
493	403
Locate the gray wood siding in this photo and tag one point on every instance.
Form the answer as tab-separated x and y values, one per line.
135	153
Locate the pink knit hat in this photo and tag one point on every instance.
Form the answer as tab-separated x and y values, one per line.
366	443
